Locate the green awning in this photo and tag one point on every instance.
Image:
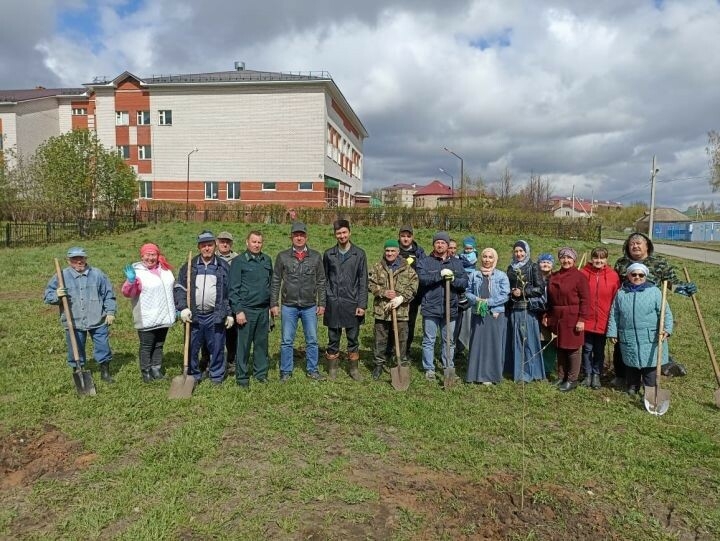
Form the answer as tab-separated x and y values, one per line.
332	183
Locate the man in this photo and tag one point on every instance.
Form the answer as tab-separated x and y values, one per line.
346	298
224	251
298	284
405	286
223	247
250	278
433	271
639	248
453	248
92	307
209	310
412	253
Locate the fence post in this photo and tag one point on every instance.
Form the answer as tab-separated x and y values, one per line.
8	231
48	231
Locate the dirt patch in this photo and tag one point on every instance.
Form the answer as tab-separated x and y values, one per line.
26	457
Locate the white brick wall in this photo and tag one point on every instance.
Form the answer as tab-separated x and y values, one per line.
9	133
105	117
36	121
65	118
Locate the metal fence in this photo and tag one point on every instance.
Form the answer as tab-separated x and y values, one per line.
51	232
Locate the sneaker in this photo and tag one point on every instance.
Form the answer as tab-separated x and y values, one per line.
317	376
430	375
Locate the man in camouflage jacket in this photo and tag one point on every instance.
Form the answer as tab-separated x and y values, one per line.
405	286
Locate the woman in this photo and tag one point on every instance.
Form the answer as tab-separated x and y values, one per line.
488	291
546	262
568	308
526	283
149	285
634	324
604	283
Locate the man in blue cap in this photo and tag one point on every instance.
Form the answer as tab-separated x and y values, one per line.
209	311
92	308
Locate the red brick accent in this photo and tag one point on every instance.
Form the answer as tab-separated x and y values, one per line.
346	121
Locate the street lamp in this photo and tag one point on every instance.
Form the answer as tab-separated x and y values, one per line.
452	185
462	177
187	186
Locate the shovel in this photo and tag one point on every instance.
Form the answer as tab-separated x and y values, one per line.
707	341
182	386
400	373
657	400
82	378
449	372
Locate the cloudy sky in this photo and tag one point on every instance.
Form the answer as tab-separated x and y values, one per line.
581	92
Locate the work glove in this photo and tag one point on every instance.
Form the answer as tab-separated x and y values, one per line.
186	315
109	319
129	273
229	322
482	308
410	260
61	292
395	302
687	290
447	274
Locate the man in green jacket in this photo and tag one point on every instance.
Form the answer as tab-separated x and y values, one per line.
250	277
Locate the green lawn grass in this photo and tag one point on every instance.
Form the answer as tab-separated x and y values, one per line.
340	460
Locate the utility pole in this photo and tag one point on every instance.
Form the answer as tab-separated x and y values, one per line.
651	225
572	203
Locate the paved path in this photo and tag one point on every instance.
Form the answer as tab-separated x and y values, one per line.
696	254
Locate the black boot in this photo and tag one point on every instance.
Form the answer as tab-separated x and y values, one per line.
587	381
156	372
146	376
105	373
377	372
596	381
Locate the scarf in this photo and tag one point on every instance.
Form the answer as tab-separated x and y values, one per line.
517	265
150	247
487	271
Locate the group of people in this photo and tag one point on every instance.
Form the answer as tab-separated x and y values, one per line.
526	321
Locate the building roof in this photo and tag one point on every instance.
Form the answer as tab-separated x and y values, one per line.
666	215
401	186
577	206
16	96
435	188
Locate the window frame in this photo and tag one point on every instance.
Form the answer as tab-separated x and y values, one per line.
236	190
266	186
144	152
123	151
79	111
145	116
216	193
163	115
301	189
122	118
145	189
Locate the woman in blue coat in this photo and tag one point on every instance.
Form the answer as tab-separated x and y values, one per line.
635	323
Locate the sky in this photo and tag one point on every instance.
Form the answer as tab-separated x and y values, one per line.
582	93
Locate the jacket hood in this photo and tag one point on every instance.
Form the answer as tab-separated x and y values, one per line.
626	245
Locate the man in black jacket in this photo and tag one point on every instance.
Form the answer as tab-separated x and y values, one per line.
346	273
412	252
298	284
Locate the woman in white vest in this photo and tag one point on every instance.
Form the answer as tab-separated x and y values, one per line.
149	285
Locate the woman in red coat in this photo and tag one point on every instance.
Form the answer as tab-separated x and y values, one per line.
604	283
569	306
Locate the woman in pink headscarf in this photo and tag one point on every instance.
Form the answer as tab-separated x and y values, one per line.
149	285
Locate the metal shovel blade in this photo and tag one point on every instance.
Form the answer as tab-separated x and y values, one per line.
657	400
400	377
182	386
84	383
449	377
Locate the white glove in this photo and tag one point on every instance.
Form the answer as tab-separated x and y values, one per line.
229	322
109	319
61	292
447	274
410	260
395	302
186	315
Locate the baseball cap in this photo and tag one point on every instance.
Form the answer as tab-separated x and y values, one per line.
298	227
407	228
76	251
225	235
206	236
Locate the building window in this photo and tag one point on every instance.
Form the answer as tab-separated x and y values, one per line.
211	190
143	118
269	186
305	186
144	152
165	117
79	111
124	151
122	118
233	190
145	189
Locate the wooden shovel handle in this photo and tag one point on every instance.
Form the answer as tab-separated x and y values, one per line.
68	316
396	334
708	344
186	347
661	331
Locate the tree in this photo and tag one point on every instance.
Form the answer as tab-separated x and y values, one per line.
713	152
536	193
80	176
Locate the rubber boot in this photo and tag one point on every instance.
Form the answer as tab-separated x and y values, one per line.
377	372
156	372
146	377
332	364
587	381
105	373
353	359
595	384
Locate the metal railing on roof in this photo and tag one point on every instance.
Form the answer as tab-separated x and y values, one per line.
243	75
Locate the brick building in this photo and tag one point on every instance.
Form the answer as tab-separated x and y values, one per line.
243	136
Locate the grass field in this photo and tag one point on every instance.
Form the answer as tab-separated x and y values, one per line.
338	460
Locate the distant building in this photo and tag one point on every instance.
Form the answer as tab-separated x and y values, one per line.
398	195
706	231
433	195
668	224
562	207
261	137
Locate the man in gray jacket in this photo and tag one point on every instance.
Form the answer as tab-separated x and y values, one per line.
298	292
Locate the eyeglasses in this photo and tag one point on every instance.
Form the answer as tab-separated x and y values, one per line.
637	275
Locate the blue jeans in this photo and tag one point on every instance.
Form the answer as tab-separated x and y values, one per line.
431	327
204	331
101	345
289	321
594	353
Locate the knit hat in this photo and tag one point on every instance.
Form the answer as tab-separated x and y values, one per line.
441	235
637	267
546	257
392	243
567	252
470	241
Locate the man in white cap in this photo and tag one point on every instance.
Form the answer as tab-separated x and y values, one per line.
92	308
